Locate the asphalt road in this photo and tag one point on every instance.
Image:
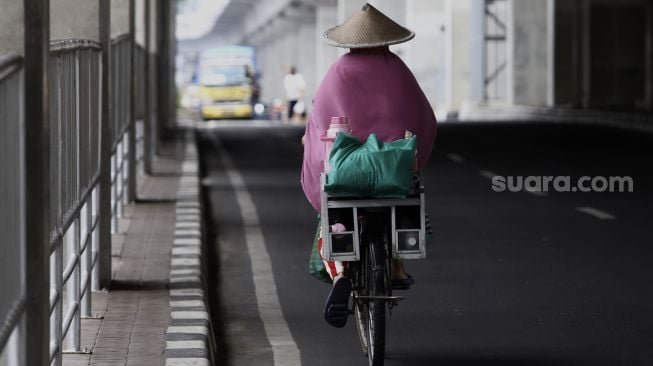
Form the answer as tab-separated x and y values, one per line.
512	278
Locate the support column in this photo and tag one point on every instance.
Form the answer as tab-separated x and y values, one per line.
164	71
325	18
530	57
147	71
104	261
37	200
477	52
131	159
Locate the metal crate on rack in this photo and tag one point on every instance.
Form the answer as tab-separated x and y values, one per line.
407	219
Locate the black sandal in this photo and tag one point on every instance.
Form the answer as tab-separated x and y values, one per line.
336	309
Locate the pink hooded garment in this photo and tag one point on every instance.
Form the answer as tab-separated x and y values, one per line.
376	91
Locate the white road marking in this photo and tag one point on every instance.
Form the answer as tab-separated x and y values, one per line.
186	292
185	344
186	250
185	272
187	362
456	158
185	262
186	303
284	348
190	329
185	279
189	315
487	174
601	215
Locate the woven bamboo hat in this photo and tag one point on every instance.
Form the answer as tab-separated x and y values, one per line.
367	28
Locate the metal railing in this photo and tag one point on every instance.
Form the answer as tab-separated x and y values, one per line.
12	220
75	101
75	136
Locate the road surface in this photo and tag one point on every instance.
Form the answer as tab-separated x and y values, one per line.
512	278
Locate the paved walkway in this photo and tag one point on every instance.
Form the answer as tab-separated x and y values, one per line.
131	319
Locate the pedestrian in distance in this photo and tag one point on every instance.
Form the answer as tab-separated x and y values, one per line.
295	87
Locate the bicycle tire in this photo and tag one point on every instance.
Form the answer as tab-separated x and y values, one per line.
376	308
360	307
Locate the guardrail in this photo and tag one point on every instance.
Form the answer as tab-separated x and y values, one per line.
75	125
12	217
75	136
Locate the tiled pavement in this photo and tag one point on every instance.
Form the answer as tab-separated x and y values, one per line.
133	316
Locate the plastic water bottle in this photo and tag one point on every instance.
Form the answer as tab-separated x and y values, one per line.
338	124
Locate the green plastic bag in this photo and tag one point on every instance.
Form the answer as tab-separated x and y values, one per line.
371	169
316	267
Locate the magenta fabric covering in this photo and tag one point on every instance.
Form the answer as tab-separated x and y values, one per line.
378	93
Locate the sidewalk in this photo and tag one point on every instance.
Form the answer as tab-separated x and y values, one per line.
130	321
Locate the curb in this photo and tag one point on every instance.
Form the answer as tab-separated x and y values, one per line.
189	337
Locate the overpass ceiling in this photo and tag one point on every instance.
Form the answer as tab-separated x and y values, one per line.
241	17
233	16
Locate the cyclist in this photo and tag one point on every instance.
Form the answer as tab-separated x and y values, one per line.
377	92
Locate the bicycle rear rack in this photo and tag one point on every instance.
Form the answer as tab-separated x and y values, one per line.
388	298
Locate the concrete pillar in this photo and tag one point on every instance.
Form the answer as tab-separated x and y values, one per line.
12	29
477	52
325	18
103	18
460	65
428	54
530	59
119	18
35	20
133	91
85	15
306	61
139	25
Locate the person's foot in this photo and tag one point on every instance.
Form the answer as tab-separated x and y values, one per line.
336	309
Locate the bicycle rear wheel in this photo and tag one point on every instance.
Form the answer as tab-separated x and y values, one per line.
370	313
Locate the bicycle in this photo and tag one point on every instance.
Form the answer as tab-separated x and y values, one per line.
383	229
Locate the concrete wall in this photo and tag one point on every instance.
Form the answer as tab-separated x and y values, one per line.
85	15
119	17
12	28
530	56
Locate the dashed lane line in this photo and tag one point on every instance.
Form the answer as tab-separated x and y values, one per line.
487	174
456	158
595	212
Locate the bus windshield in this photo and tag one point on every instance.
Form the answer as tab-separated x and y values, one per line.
223	75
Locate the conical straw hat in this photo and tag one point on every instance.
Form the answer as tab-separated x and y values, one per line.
367	28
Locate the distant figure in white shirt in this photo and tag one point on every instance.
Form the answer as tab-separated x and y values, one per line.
295	86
